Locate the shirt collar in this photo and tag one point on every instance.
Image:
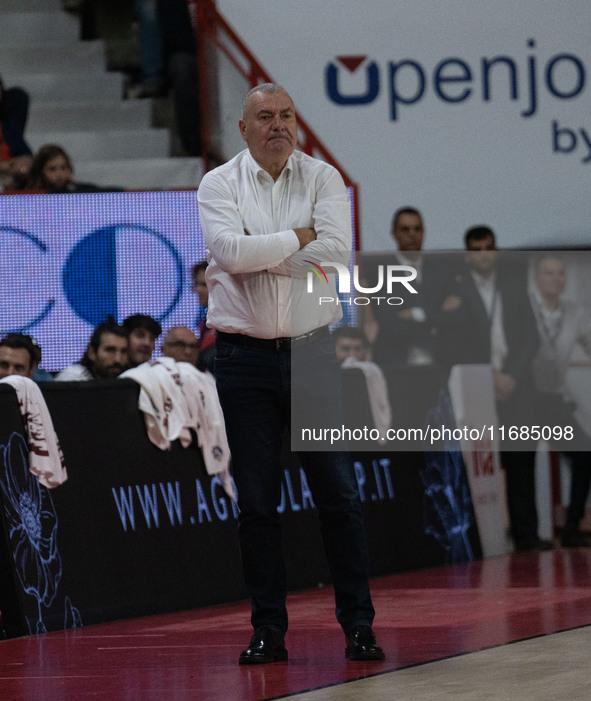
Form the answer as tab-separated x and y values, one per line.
260	171
416	263
484	283
548	313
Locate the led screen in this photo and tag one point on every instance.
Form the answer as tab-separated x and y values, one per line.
70	261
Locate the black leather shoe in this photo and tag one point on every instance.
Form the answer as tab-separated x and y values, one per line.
533	544
361	645
575	539
265	646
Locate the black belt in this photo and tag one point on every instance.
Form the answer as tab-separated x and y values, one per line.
285	343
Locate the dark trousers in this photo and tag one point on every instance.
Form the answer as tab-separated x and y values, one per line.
521	500
255	390
580	463
554	410
521	495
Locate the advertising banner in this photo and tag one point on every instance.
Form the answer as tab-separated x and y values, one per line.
473	112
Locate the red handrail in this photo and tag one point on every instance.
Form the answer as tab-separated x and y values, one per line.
210	26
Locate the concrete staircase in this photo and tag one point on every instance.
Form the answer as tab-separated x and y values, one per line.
77	104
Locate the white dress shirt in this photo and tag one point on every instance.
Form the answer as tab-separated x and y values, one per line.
560	330
491	298
74	373
257	275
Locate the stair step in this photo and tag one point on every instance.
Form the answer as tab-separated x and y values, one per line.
29	6
142	174
106	145
127	114
38	27
77	104
95	86
80	57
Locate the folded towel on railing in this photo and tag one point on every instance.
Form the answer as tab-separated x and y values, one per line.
46	459
175	398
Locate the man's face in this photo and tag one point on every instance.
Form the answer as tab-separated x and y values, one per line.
15	361
200	287
551	277
110	358
269	127
141	346
482	255
182	345
350	348
408	232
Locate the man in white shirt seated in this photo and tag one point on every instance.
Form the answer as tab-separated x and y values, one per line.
143	331
353	351
350	342
181	344
17	356
105	356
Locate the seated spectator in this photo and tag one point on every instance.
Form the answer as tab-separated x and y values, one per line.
105	357
152	79
143	331
17	356
181	344
178	43
168	59
39	374
52	172
15	153
353	351
351	342
206	334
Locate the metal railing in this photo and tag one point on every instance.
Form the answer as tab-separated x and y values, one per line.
212	29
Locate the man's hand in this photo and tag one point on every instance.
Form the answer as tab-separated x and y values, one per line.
305	235
504	385
451	303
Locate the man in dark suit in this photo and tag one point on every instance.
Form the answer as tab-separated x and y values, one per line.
494	323
405	334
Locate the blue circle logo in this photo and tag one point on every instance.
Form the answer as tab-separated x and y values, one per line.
27	281
111	272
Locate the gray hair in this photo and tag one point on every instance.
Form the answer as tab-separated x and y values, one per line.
266	88
553	255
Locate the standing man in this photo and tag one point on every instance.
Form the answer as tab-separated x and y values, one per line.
405	335
562	325
494	324
257	211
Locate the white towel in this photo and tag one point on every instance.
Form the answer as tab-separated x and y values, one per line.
46	459
176	397
204	404
162	401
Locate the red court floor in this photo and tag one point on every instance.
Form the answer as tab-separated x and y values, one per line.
421	616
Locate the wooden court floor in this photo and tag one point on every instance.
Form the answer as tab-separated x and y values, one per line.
504	628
